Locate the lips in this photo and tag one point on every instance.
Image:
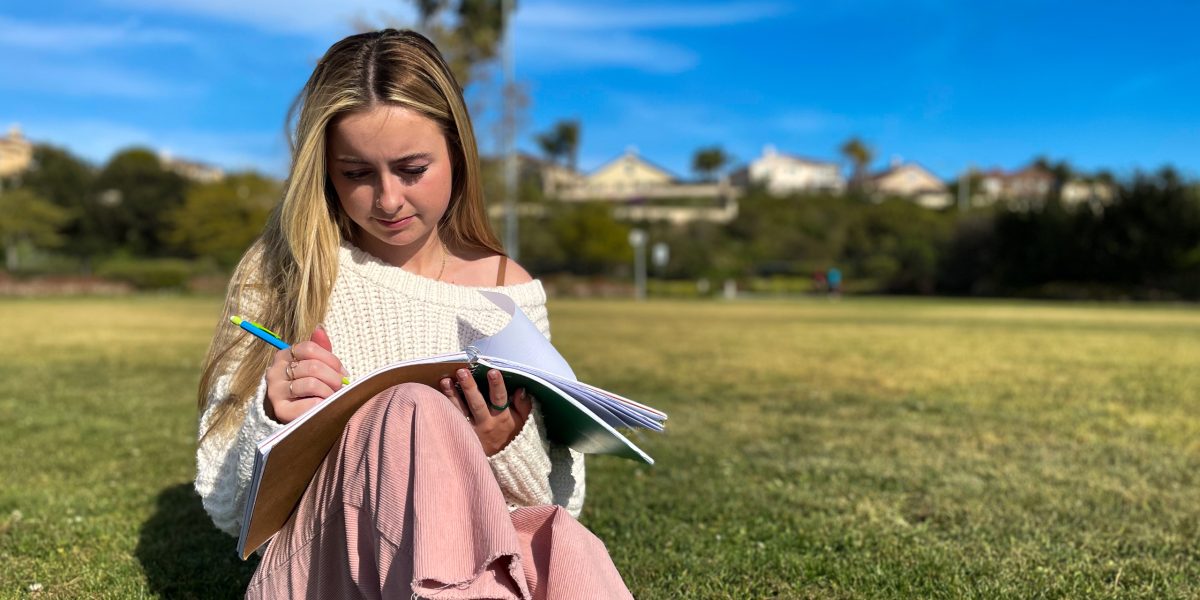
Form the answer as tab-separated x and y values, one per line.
396	223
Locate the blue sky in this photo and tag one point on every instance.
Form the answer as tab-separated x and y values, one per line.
948	84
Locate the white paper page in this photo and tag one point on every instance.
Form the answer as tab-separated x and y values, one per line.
520	341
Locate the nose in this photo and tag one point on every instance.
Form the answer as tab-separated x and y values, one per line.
389	194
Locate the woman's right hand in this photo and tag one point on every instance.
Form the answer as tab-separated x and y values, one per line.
301	376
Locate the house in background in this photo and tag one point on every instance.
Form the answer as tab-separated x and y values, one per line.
191	169
1024	188
627	177
556	177
1031	186
785	173
642	191
16	153
1094	192
912	181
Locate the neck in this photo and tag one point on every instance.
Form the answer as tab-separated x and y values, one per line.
424	257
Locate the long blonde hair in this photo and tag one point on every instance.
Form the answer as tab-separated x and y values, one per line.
285	278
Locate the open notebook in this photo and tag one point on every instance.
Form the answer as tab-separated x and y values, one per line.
576	414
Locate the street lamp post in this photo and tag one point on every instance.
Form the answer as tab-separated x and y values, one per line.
512	243
637	239
660	254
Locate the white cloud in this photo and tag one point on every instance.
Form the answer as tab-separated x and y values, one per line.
558	36
303	17
73	37
641	16
547	36
82	79
545	50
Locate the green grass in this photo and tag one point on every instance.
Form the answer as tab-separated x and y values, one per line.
868	448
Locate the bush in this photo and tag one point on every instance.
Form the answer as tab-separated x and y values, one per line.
148	274
678	288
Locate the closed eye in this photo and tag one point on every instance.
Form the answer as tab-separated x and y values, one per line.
412	174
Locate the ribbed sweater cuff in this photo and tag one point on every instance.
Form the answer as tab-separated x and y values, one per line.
522	468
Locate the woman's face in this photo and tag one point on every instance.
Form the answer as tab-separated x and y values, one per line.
391	169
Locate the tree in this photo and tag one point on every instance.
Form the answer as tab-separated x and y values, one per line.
66	181
467	32
136	194
1061	170
595	243
220	220
707	162
561	143
860	156
29	219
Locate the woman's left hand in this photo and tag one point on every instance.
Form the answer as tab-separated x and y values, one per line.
495	428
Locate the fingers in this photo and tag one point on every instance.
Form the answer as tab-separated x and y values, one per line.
303	375
472	395
446	385
314	369
312	350
522	403
308	387
287	412
322	339
498	395
495	428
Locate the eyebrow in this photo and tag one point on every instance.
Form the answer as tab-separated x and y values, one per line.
406	157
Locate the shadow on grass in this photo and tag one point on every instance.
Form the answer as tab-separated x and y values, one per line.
185	556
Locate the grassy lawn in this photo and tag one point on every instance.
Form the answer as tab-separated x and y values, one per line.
867	448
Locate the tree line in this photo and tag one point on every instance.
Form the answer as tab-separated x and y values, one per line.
134	217
63	215
1144	243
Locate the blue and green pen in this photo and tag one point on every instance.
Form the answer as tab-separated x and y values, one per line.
267	336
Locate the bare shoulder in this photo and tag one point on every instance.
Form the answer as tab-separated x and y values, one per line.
514	273
480	269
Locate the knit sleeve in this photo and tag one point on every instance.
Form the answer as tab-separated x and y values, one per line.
224	464
532	471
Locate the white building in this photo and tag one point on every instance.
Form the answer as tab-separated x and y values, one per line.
912	181
785	173
1094	193
191	169
16	152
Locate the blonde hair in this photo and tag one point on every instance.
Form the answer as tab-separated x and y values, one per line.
285	278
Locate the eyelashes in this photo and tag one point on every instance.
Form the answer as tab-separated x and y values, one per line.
406	173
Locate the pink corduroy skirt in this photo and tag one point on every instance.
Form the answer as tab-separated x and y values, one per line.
406	506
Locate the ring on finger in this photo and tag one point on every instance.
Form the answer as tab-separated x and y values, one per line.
290	392
293	351
499	408
290	371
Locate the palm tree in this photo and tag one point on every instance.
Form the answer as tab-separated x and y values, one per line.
708	161
561	143
860	156
568	132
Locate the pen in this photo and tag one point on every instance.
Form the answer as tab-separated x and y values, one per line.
267	336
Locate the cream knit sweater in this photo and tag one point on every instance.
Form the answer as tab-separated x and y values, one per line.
379	314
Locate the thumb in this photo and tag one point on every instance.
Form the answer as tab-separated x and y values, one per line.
524	403
321	338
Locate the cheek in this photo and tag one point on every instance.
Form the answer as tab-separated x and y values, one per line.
354	198
442	186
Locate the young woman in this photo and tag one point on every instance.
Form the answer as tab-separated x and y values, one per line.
374	255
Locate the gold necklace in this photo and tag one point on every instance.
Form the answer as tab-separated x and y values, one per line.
443	269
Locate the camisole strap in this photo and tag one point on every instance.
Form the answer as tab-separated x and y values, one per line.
500	272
